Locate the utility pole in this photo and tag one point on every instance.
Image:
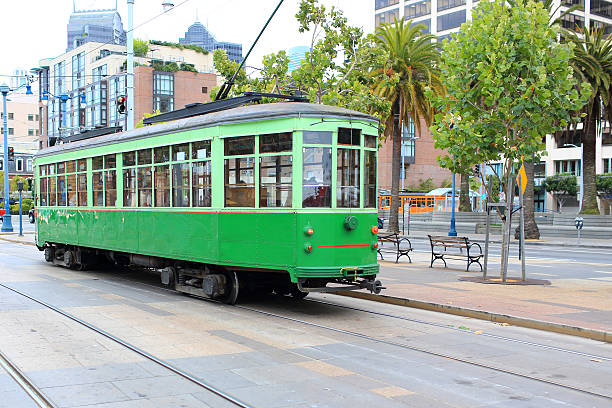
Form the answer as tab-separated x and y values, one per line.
130	66
7	226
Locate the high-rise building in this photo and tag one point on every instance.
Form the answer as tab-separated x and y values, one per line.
199	35
103	26
563	153
443	17
83	86
296	55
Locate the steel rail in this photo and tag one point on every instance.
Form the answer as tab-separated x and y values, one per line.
485	334
433	353
135	349
25	383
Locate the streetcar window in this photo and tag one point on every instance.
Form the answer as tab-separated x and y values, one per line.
316	137
275	173
180	185
129	159
348	136
43	191
82	189
201	184
98	189
43	170
110	187
71	189
82	165
347	191
369	180
145	156
275	143
145	186
162	186
52	191
61	168
316	171
129	187
370	141
51	169
110	161
97	163
61	190
162	154
180	152
239	182
200	150
70	166
239	145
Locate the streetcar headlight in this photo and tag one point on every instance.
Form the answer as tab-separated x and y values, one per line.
308	247
375	230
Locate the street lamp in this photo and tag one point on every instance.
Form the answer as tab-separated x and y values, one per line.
63	99
6	218
581	178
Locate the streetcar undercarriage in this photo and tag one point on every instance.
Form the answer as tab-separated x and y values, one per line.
219	282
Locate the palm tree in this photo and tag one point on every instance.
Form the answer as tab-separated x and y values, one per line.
593	61
410	67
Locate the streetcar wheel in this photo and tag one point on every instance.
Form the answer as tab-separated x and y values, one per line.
296	293
49	254
233	288
68	259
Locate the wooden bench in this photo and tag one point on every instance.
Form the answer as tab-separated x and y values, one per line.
439	245
396	240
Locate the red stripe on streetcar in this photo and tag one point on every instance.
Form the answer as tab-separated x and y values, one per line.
343	246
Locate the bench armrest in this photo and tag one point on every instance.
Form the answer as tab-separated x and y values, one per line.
475	244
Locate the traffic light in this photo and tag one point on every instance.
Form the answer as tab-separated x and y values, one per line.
11	153
121	104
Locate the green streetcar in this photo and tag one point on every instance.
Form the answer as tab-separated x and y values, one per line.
274	197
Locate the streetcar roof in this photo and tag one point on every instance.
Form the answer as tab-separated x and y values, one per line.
236	115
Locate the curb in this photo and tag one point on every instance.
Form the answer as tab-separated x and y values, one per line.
592	334
527	243
17	241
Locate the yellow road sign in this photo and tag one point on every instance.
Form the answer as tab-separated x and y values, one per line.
521	178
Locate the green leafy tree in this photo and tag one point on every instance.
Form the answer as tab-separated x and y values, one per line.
409	68
141	124
604	183
593	59
562	186
509	82
141	47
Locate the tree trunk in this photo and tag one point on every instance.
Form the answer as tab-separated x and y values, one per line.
464	197
395	172
531	228
589	199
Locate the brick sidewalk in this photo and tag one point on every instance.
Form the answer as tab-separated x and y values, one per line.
580	303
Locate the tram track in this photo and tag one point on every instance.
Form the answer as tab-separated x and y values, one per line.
28	386
22	378
362	336
462	360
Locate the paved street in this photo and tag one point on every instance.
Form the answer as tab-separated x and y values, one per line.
407	357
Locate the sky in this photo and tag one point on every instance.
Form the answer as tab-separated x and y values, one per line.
36	29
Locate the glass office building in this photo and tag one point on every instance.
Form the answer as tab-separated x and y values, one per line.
197	34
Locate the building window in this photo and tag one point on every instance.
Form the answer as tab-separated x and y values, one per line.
29	165
452	20
19	165
163	92
449	4
385	3
30	132
605	28
388	17
572	22
59	72
567	167
607	165
419	9
204	89
601	8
